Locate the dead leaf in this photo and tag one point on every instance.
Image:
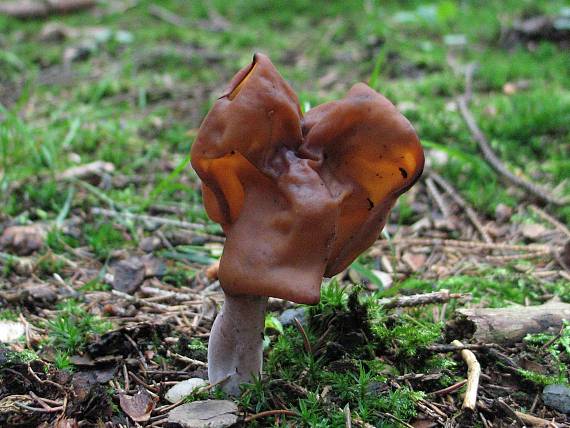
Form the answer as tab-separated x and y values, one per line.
129	275
414	261
138	406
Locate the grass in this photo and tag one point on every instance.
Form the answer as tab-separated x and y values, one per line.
121	118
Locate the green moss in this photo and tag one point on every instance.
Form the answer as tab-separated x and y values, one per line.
103	239
555	350
70	331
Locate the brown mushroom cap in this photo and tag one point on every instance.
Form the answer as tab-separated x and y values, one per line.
298	197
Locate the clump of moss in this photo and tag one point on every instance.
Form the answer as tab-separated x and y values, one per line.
555	350
349	334
69	332
103	239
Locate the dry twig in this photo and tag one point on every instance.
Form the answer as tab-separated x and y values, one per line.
535	421
473	374
545	216
306	342
442	296
270	413
146	218
469	212
489	155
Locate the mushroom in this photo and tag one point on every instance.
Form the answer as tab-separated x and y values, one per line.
298	197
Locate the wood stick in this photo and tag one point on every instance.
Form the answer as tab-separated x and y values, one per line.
507	326
469	212
489	155
179	297
449	389
473	374
534	421
442	296
270	413
443	207
147	218
40	9
545	216
468	245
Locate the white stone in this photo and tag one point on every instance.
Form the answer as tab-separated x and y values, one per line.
184	389
11	331
204	414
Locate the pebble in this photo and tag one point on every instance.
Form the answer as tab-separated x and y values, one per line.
557	397
204	414
184	389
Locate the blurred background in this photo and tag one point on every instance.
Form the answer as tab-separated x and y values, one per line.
128	82
102	226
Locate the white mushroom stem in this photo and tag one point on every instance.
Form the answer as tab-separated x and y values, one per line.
235	350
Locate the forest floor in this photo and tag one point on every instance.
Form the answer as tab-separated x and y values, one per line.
108	283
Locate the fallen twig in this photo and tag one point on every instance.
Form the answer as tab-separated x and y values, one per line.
167	16
179	297
545	216
473	374
396	419
511	324
442	296
469	212
142	302
535	421
41	9
267	413
443	207
449	389
188	360
86	170
489	155
452	348
147	218
306	342
467	245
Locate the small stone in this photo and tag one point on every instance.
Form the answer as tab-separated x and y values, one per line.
150	244
11	331
204	414
557	397
184	389
288	316
384	277
533	231
22	240
503	213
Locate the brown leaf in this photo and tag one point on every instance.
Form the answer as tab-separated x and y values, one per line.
139	406
414	261
66	423
23	240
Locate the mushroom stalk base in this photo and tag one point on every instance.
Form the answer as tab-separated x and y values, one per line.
235	350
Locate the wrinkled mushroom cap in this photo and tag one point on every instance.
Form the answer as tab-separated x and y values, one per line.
298	197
